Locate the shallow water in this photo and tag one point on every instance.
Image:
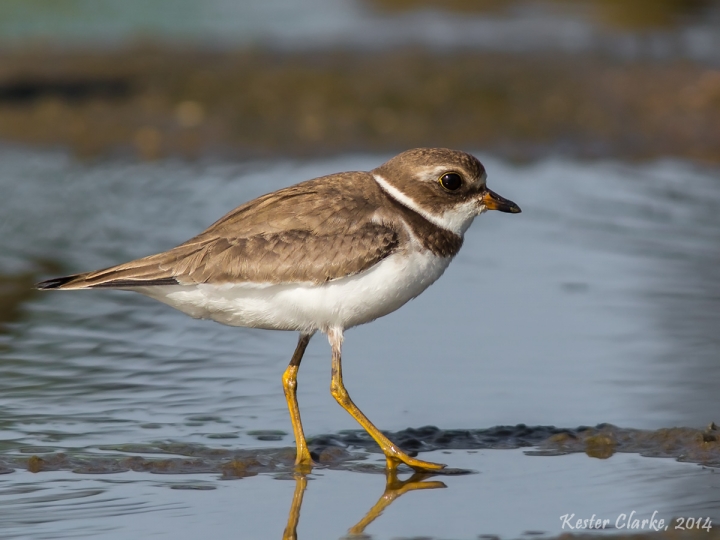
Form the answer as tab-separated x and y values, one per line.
513	496
597	304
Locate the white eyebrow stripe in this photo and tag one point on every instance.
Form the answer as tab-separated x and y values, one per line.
406	201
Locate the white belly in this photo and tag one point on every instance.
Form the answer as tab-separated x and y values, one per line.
341	303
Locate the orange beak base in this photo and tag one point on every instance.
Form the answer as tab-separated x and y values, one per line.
493	201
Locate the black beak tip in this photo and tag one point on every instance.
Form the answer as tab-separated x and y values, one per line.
511	208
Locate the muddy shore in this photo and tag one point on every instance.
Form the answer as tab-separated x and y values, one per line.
152	102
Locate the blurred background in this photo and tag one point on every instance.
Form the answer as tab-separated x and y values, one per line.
520	78
127	127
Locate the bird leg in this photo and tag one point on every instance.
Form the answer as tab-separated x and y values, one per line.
393	454
289	381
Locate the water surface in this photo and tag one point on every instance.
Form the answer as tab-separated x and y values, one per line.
597	304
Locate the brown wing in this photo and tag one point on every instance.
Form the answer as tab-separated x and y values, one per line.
324	206
313	232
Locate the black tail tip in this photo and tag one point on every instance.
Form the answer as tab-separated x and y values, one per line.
54	283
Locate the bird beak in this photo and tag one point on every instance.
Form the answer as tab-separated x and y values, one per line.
493	201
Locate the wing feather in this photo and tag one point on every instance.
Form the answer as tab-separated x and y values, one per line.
314	232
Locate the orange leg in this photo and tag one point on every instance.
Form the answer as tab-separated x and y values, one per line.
393	454
289	380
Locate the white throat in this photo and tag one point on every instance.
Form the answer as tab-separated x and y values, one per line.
456	220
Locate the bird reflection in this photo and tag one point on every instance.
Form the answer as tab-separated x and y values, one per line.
394	488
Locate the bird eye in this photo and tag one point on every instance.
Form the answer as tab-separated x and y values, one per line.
451	181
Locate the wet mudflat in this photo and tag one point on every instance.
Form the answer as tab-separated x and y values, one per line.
597	304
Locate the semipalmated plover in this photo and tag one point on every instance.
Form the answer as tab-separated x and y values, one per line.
327	254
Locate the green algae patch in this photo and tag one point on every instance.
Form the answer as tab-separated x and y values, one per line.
35	464
348	450
331	455
241	468
684	444
600	446
602	441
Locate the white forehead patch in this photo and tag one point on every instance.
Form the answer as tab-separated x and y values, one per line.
436	171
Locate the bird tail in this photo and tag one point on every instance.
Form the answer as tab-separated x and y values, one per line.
103	279
146	272
58	283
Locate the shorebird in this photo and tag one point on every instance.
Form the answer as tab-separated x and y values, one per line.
323	255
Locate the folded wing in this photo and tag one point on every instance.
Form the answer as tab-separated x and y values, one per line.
313	232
